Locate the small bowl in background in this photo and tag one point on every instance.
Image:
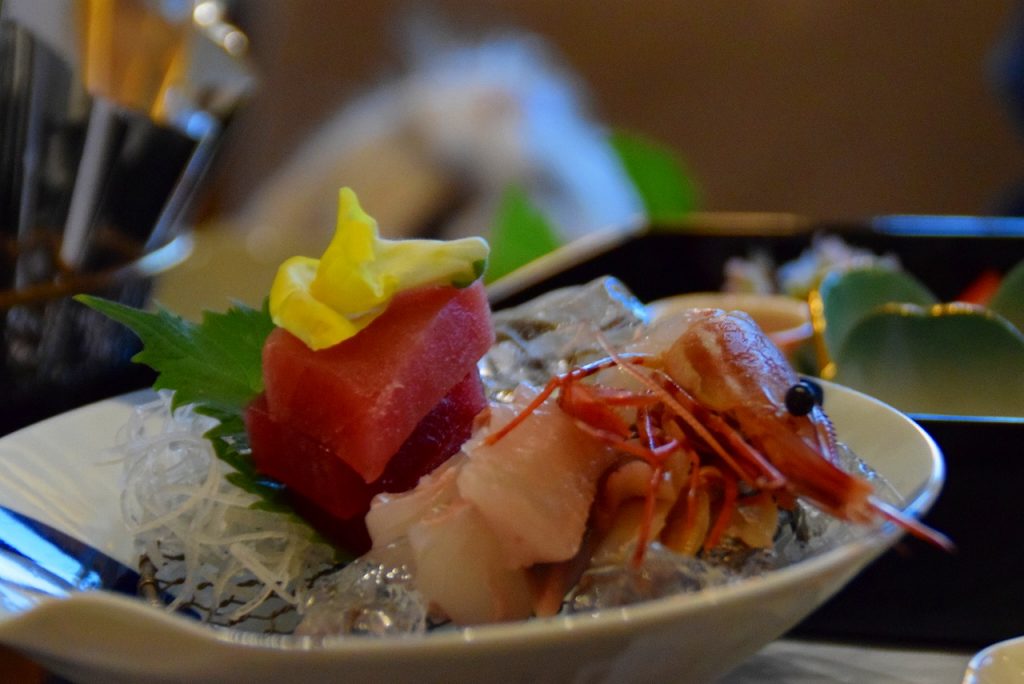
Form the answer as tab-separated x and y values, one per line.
786	320
1001	663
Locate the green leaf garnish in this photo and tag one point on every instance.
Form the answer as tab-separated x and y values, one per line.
521	233
231	444
667	191
216	365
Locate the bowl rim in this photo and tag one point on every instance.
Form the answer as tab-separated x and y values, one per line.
523	634
867	544
750	302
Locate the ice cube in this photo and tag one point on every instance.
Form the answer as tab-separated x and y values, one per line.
809	532
663	573
366	597
559	331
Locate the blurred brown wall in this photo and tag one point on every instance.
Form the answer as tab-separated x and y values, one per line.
824	107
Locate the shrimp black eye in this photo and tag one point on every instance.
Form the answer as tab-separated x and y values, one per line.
819	393
802	397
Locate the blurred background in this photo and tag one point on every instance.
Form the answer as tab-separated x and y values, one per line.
530	122
831	110
840	108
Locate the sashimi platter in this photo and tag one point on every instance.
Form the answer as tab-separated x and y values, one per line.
375	457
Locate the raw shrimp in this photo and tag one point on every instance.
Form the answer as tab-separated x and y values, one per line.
716	390
694	435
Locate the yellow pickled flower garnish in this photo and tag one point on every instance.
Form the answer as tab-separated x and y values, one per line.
328	300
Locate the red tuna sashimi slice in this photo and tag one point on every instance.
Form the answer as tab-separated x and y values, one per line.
439	435
305	465
350	535
330	490
362	398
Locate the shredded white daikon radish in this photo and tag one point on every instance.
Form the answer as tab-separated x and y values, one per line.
214	554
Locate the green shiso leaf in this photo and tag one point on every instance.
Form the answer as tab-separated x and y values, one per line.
216	364
664	186
521	233
231	444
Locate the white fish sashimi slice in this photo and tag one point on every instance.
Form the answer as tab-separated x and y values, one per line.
391	515
474	526
460	568
535	486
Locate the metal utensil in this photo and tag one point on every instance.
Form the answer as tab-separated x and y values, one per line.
110	113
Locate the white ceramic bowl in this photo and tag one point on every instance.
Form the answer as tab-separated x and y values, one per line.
785	320
1001	663
54	472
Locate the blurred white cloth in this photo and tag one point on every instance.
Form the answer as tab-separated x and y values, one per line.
431	152
441	144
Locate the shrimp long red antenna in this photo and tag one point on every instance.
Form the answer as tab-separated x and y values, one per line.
912	525
559	381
